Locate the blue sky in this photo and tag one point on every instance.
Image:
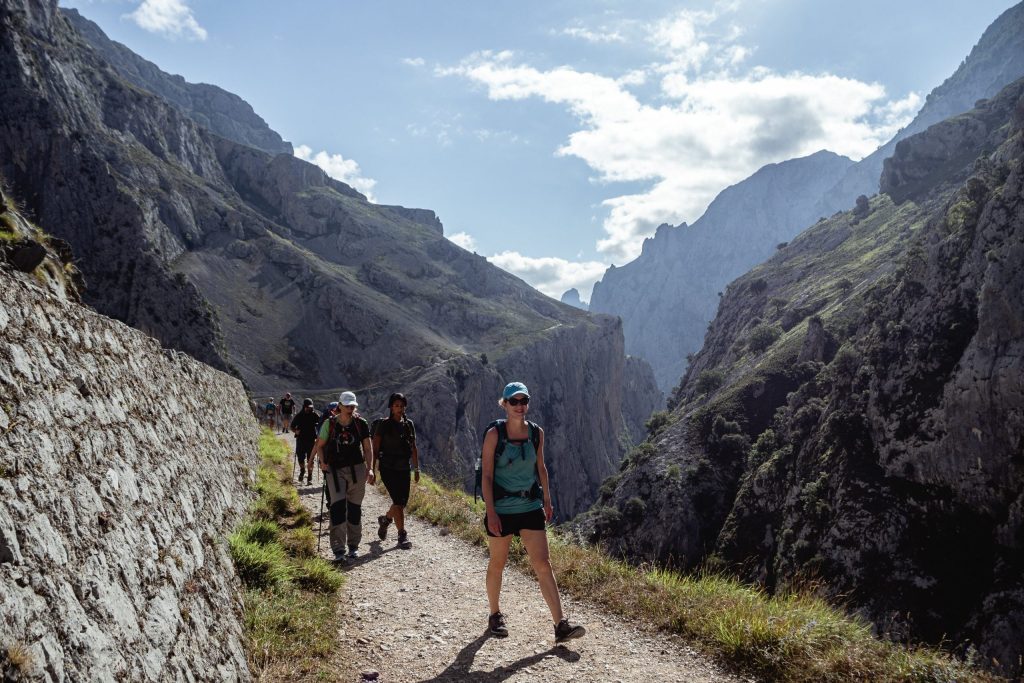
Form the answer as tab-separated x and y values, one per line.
553	136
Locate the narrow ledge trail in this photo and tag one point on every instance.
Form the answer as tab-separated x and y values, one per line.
420	616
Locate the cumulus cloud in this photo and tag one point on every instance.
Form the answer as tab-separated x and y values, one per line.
171	17
552	275
464	240
414	61
711	122
339	168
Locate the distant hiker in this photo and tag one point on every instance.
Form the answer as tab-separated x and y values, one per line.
269	412
394	444
344	449
287	408
304	426
518	499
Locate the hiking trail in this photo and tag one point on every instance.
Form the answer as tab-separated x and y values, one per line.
420	616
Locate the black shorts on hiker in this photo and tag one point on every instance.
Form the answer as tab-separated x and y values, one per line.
397	484
513	523
303	449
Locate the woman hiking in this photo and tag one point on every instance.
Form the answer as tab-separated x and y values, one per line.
518	499
344	449
394	444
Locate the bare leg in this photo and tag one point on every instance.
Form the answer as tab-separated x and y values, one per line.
536	544
498	548
397	514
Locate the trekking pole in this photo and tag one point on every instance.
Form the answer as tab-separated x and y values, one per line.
320	532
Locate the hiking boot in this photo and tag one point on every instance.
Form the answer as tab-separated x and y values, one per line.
309	479
339	557
353	552
496	625
566	631
302	475
403	540
382	530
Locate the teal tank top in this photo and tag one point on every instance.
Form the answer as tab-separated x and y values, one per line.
516	470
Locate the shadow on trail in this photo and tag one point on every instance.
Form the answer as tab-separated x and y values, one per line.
459	670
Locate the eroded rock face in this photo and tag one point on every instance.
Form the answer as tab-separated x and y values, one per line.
857	412
668	295
123	466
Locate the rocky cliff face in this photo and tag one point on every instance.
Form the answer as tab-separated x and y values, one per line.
123	466
572	298
667	296
213	108
855	414
258	263
997	60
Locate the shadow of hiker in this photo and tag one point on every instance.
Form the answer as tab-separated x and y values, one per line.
459	670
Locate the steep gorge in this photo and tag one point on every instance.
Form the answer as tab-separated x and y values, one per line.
855	414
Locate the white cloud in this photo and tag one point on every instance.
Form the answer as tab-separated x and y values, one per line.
464	240
552	275
712	122
339	168
601	35
414	61
170	17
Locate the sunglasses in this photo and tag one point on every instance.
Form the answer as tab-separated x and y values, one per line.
519	401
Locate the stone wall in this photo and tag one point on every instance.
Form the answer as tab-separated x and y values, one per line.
123	466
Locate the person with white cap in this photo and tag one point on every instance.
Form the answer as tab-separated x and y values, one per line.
517	496
344	451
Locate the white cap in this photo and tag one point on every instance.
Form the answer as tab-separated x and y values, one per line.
348	398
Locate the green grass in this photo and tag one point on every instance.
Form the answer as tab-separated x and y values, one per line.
290	602
794	636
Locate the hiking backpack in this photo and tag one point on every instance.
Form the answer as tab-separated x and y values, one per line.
499	448
333	449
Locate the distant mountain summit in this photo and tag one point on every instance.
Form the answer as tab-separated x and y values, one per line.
667	295
572	297
192	221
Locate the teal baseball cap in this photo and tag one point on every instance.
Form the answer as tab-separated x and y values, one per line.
513	388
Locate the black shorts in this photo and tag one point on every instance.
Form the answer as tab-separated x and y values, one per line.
303	448
397	484
512	524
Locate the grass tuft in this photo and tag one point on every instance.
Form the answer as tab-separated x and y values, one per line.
289	624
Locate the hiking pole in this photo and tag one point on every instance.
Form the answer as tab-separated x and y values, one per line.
320	532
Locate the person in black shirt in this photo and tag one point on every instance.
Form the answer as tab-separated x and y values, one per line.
287	407
304	427
394	444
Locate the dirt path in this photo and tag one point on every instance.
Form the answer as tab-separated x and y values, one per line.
420	616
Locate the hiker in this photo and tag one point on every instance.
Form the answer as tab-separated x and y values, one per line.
394	443
518	499
304	427
270	412
344	449
330	410
287	408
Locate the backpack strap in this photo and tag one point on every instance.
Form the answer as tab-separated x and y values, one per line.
502	428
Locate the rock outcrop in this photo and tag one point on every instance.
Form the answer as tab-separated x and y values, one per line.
572	297
668	294
856	414
123	466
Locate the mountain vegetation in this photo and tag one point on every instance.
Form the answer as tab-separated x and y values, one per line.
854	416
